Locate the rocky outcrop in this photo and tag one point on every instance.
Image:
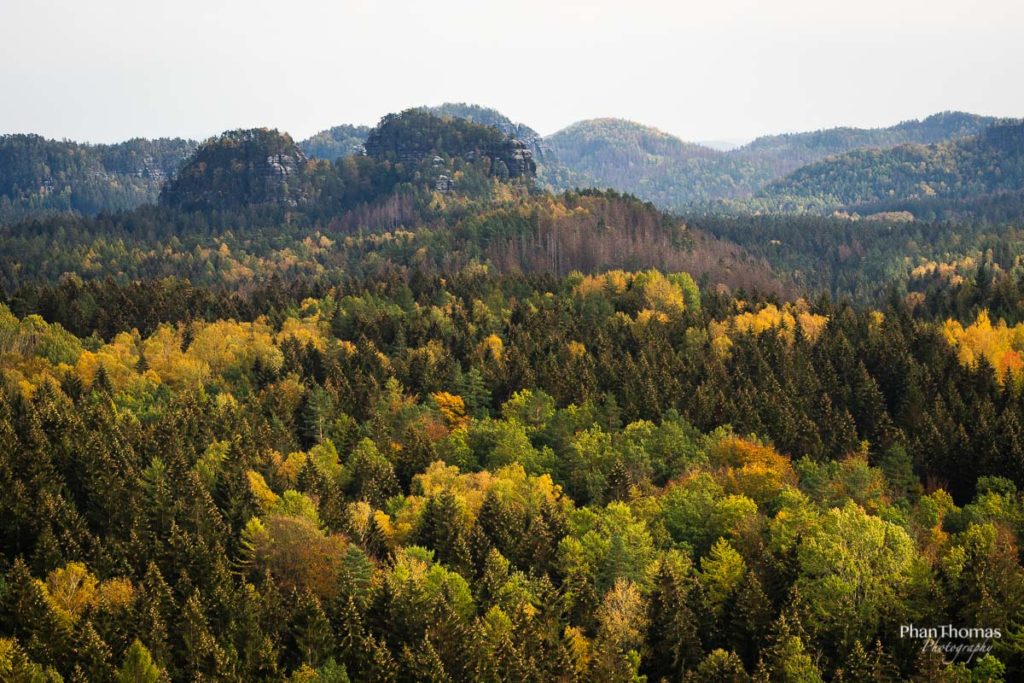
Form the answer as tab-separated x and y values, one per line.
487	116
241	168
416	136
520	160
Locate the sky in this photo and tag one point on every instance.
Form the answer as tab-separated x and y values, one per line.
109	70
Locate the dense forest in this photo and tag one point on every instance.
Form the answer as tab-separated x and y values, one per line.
249	206
40	176
677	175
408	415
644	161
975	167
868	259
786	153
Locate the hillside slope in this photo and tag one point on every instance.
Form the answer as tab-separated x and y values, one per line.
240	168
782	154
434	194
677	175
972	168
38	175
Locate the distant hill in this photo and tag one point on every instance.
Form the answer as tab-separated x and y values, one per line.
336	142
486	116
412	135
344	140
38	175
415	149
240	168
889	179
676	175
653	165
782	154
620	142
440	192
658	167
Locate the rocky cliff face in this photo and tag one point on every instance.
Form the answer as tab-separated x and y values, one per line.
512	159
244	167
519	159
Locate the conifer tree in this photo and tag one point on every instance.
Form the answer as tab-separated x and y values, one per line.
138	666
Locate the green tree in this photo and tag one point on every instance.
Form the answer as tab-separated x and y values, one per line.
138	666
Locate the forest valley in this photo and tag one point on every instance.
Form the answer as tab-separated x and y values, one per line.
411	416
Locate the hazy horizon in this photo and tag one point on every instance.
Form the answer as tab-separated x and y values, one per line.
115	70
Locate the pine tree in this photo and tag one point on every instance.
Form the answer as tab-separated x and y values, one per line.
351	636
673	631
380	665
15	666
422	663
26	614
619	482
47	554
313	635
374	541
857	666
201	654
475	394
90	654
750	619
719	666
453	639
138	666
786	657
930	668
101	382
442	529
492	579
317	413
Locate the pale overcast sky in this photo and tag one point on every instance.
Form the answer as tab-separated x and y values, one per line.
107	70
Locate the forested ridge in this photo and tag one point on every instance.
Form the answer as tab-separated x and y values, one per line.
435	193
975	167
336	142
39	176
407	415
677	175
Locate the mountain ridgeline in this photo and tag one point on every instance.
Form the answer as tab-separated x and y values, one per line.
428	192
38	176
263	167
676	175
788	152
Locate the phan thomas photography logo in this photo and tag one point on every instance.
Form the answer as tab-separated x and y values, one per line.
954	643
